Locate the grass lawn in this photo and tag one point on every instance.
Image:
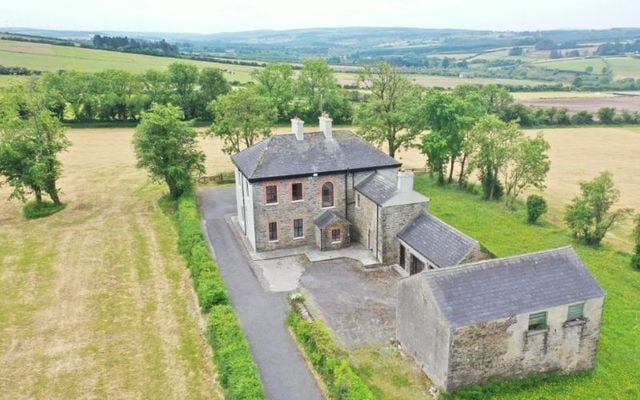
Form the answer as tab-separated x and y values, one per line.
617	374
47	57
95	301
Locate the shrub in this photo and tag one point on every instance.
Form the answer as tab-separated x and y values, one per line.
238	372
536	206
33	210
635	260
330	362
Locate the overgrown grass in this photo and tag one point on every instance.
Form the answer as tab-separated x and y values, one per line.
33	210
505	233
238	372
328	360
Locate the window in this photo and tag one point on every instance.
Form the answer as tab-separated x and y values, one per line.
537	321
327	195
272	194
576	311
273	231
296	191
335	235
357	200
298	228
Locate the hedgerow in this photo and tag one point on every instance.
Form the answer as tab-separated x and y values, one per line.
238	372
328	360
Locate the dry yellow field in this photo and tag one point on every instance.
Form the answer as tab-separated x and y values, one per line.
95	302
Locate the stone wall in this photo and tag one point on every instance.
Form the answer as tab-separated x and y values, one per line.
394	219
286	210
506	349
323	237
365	223
421	329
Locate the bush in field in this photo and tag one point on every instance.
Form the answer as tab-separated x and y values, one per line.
238	371
330	362
589	215
635	260
536	206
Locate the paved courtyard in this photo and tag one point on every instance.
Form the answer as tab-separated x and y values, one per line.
358	306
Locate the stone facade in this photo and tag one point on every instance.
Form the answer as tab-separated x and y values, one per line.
286	210
394	219
505	348
324	241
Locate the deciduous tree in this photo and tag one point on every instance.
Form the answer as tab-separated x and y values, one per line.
168	148
635	260
389	115
276	81
494	142
242	117
527	167
589	216
31	137
318	91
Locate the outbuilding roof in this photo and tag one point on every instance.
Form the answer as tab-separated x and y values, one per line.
285	156
498	288
437	241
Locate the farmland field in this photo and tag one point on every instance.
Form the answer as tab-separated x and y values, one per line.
575	102
46	57
622	67
446	81
96	302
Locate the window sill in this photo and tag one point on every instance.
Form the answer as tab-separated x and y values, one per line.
337	242
271	204
328	207
534	332
297	201
574	322
298	238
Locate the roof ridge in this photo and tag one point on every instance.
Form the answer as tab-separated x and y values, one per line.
471	265
267	142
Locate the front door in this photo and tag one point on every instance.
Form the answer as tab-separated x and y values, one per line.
402	256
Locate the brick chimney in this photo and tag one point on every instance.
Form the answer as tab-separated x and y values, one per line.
405	181
325	125
297	126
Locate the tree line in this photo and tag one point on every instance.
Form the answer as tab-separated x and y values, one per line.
129	45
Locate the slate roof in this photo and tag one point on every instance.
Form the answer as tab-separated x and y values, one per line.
492	289
437	241
327	218
284	155
377	188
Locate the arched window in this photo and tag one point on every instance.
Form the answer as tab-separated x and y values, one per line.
327	194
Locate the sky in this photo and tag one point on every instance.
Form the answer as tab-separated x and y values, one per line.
212	16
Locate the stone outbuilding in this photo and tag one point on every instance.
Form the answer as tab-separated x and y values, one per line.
503	318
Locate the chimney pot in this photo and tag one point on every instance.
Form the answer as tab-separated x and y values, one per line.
297	126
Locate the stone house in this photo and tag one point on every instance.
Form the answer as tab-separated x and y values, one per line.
504	318
328	189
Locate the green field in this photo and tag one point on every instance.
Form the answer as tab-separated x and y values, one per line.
46	57
575	64
505	233
625	67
